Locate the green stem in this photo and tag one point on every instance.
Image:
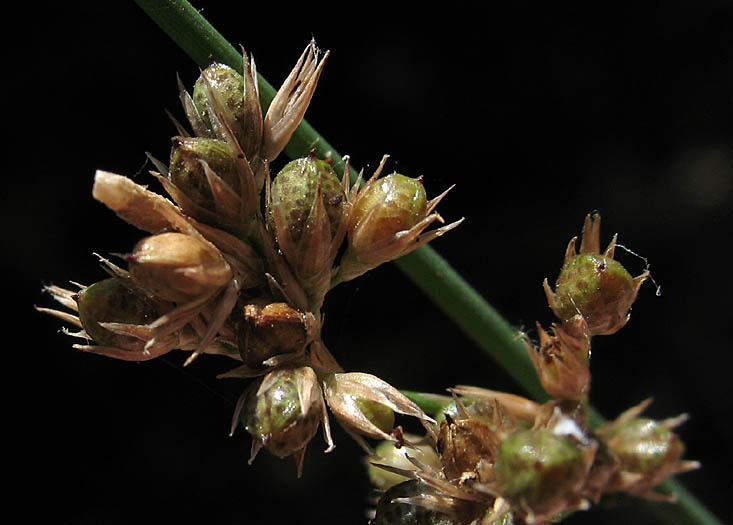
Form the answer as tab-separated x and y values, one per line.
424	266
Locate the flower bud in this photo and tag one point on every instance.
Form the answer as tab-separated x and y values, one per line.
594	285
540	471
178	267
114	301
386	219
283	414
270	329
188	174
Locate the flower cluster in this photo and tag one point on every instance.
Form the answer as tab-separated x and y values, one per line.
500	458
238	263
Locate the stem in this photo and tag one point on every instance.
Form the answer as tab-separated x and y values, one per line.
430	272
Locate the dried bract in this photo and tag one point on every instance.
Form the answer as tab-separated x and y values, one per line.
291	101
561	360
347	394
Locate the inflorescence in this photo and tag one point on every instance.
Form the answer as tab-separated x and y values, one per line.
238	263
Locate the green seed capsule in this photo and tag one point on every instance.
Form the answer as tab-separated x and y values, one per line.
230	86
112	301
188	174
381	416
392	204
539	470
275	417
596	286
294	191
644	446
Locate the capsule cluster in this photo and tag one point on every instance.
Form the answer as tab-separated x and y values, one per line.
237	262
500	458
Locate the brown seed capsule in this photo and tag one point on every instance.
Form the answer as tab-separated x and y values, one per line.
270	329
178	267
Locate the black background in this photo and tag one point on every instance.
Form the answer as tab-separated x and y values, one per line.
538	116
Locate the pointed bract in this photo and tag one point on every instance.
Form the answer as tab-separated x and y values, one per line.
291	101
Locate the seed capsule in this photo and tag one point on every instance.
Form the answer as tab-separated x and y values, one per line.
274	415
178	267
188	174
540	471
598	288
646	452
270	329
362	404
379	415
294	192
594	285
230	86
386	220
306	213
393	204
113	301
643	445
